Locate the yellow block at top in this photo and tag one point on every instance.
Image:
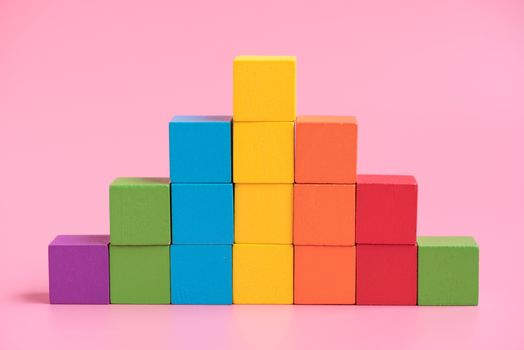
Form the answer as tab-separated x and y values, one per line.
263	152
262	274
264	88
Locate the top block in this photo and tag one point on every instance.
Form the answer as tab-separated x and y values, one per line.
200	149
140	211
386	209
326	150
448	270
264	89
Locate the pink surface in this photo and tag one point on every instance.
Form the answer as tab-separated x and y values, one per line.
86	92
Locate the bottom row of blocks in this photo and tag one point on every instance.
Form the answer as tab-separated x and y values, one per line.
447	273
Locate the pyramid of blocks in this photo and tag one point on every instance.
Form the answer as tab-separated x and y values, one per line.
264	208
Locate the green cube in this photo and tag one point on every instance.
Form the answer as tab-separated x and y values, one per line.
139	275
140	211
448	271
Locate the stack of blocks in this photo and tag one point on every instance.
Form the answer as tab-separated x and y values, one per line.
324	210
299	226
264	110
386	240
202	210
140	228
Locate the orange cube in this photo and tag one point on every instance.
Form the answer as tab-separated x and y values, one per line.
324	214
324	275
326	150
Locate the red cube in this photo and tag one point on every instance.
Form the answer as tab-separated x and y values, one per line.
386	209
386	274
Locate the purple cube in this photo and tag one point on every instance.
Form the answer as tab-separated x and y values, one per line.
79	269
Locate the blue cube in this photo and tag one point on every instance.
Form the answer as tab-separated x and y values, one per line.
202	213
201	274
200	149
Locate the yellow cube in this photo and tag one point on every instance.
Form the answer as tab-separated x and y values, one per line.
263	152
264	88
262	274
264	213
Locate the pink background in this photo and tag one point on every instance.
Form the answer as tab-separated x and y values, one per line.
87	89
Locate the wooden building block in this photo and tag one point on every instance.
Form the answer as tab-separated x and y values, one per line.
79	270
140	211
139	275
448	271
326	149
387	274
324	275
263	152
262	274
324	214
264	213
201	274
200	149
264	88
386	209
202	213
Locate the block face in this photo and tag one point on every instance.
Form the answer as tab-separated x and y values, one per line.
446	242
200	149
139	275
264	213
79	269
201	274
263	152
326	149
202	213
386	274
262	274
448	271
324	214
140	212
80	240
264	88
324	275
386	209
